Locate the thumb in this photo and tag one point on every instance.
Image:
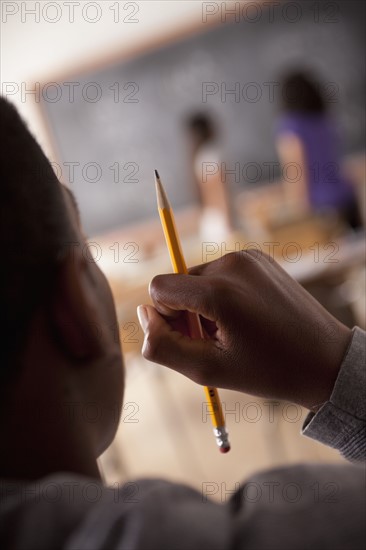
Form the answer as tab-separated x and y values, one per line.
196	359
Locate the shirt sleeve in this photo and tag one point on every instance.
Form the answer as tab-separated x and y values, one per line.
340	423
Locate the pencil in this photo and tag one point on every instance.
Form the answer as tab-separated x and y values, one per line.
195	328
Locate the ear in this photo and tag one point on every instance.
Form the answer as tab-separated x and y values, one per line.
73	314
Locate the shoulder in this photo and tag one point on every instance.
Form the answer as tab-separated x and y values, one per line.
79	512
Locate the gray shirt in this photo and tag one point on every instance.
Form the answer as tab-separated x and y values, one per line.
298	507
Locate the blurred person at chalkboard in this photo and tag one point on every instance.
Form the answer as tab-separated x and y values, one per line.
307	135
216	219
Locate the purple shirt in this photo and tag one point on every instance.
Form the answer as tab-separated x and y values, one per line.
326	185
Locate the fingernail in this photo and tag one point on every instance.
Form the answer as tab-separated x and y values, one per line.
143	317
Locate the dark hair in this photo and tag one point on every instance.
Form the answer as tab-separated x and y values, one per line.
201	127
301	93
35	228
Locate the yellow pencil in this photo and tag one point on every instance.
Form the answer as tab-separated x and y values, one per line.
195	328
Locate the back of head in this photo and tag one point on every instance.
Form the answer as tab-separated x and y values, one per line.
301	94
201	129
34	231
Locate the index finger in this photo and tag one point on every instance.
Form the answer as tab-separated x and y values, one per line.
176	292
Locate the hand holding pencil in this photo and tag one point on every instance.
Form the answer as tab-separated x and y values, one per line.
252	313
195	328
265	335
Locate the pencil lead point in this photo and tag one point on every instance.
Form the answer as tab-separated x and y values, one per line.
157	174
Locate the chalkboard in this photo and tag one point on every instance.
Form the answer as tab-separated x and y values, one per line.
114	125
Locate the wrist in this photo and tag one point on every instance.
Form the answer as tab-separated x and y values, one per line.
331	356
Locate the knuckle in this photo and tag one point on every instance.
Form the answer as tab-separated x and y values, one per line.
252	254
267	257
231	259
155	286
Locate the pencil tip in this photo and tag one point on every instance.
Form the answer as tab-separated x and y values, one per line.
160	192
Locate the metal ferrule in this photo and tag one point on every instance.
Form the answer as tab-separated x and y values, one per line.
222	437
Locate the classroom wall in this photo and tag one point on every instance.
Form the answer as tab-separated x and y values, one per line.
35	50
128	139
